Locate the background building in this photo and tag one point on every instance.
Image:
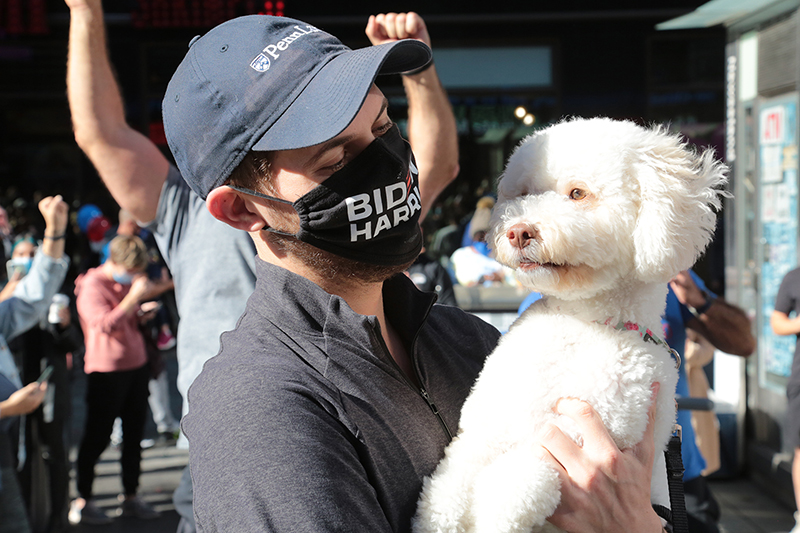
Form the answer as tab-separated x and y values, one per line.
762	76
568	58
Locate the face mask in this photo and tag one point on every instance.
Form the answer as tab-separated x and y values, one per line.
122	279
19	264
482	247
369	210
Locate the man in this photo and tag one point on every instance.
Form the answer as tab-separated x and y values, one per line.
691	305
341	384
213	264
786	301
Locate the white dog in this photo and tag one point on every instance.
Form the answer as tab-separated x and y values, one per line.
598	215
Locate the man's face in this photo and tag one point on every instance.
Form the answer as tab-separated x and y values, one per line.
296	172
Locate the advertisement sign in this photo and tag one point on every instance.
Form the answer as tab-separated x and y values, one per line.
779	228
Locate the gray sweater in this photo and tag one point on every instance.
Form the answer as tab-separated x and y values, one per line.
303	422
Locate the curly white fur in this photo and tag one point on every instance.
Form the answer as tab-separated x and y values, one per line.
598	215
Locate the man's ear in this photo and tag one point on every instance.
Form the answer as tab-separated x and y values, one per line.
230	207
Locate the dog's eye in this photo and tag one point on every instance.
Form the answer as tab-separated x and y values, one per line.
577	194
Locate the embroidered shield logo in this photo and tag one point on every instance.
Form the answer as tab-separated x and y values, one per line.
260	63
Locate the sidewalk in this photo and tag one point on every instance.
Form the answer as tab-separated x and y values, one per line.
746	508
161	471
161	468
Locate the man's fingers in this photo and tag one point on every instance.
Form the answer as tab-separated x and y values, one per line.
596	439
388	24
416	29
646	449
385	27
560	447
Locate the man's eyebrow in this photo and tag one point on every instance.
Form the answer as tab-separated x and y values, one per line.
338	141
384	106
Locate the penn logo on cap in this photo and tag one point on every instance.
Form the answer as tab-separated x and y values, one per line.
260	63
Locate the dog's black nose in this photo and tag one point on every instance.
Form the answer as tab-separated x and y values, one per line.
520	235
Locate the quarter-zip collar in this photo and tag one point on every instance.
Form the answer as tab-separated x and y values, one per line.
299	307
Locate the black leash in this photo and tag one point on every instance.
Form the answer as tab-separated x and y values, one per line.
677	516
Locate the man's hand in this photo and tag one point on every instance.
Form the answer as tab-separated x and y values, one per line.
141	289
81	4
687	291
390	27
603	488
23	401
147	311
725	325
54	210
11	286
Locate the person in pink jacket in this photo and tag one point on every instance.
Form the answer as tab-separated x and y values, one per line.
112	301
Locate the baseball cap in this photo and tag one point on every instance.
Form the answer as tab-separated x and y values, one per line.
268	83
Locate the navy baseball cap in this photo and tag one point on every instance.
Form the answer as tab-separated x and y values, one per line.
268	83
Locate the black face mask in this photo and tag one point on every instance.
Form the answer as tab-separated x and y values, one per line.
369	210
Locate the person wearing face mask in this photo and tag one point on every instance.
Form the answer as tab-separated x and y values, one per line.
22	252
213	264
44	475
112	300
341	384
19	313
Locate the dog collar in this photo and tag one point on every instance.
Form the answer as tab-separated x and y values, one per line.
647	336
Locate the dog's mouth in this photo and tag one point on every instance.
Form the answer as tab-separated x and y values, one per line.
528	264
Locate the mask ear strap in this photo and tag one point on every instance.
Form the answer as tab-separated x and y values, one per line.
259	195
279	232
266	197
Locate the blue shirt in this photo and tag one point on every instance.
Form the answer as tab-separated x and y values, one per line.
528	301
674	322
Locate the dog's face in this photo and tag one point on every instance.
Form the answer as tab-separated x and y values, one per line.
586	204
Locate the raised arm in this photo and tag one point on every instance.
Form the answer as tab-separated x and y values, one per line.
431	124
55	213
34	292
130	165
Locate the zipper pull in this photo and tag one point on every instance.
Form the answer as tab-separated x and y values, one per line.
435	410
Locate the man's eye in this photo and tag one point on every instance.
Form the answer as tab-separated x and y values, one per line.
577	194
338	165
384	128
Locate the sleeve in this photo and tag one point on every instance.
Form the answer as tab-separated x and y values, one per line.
7	388
296	467
97	311
172	215
785	301
32	297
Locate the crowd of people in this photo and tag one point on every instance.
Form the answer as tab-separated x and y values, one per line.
328	360
99	322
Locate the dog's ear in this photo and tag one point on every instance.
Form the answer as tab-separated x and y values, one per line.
680	195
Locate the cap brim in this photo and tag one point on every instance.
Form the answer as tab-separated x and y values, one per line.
330	102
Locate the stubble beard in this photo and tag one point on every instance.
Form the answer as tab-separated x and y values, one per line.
326	265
